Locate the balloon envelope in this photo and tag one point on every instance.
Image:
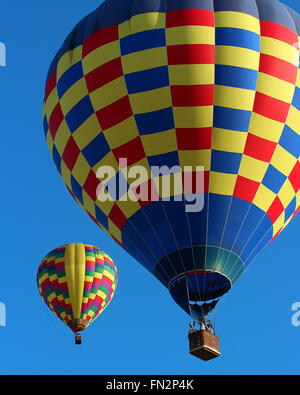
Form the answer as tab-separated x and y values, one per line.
77	282
182	84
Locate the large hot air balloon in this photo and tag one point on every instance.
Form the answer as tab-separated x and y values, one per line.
77	282
181	84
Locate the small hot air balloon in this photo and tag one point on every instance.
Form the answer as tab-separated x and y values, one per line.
182	83
77	282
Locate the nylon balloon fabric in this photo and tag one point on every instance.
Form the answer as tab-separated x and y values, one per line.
181	83
77	282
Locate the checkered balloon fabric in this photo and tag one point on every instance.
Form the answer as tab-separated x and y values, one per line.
176	83
77	282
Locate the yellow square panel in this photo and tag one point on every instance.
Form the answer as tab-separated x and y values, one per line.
100	56
87	132
192	74
65	174
265	128
293	119
238	57
98	275
142	22
89	278
152	100
283	160
264	198
237	98
62	137
108	94
195	158
73	95
279	49
182	35
237	20
115	231
228	140
50	142
193	117
286	193
108	274
274	87
102	295
51	102
159	143
121	133
252	168
81	170
222	183
144	60
67	60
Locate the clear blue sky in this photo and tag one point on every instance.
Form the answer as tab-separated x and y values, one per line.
142	331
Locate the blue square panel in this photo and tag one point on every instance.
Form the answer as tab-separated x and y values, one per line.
225	162
79	113
96	150
273	179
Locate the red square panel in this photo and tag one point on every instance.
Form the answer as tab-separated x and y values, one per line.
190	17
132	151
259	148
278	68
271	108
191	54
100	38
91	185
294	177
192	95
117	216
55	120
194	138
71	153
104	74
114	113
245	189
275	210
277	31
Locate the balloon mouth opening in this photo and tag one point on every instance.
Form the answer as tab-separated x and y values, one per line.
206	285
77	325
199	291
202	285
